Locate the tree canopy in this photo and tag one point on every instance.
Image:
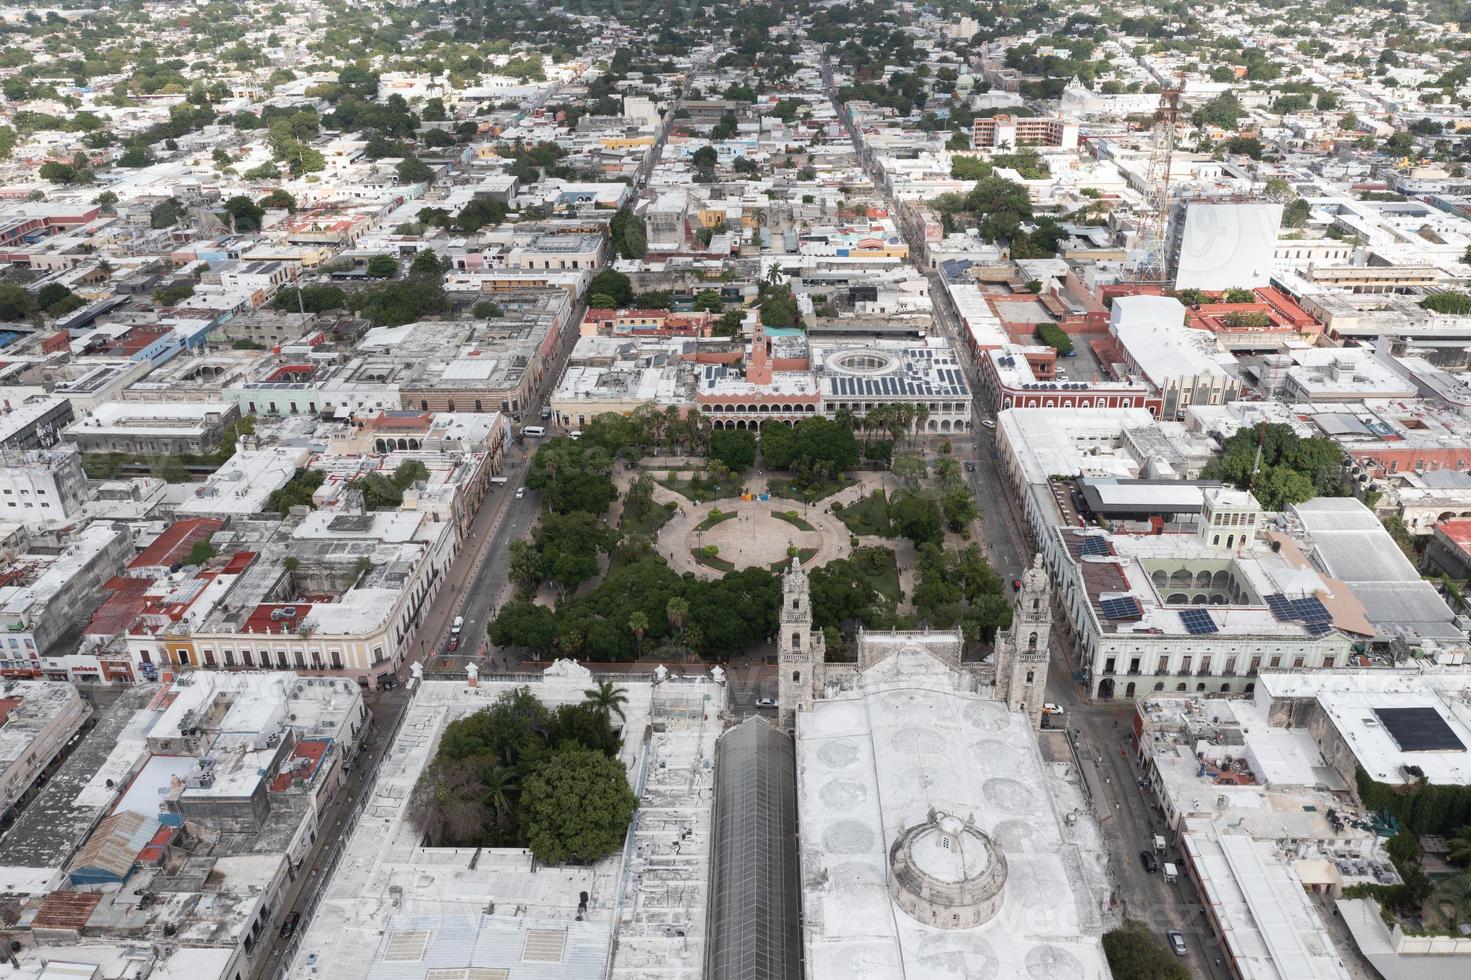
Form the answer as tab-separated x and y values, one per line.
1293	469
521	774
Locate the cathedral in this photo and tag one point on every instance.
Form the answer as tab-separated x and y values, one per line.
1016	673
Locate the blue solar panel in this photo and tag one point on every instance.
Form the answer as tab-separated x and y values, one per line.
1280	605
1318	629
1125	608
1311	610
1198	622
1093	545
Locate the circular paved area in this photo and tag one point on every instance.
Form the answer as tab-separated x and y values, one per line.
754	537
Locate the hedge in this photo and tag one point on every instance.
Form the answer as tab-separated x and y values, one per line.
1424	808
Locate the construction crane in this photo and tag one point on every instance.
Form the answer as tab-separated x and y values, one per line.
1153	249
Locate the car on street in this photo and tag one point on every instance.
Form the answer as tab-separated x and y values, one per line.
288	924
1016	584
1150	863
454	644
970	466
520	492
1052	708
1177	942
764	702
988	423
458	625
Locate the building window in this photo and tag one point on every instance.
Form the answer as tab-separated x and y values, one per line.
1328	663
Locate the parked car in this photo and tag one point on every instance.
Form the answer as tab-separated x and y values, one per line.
1150	863
988	423
520	492
970	466
1177	942
765	702
288	924
1051	708
1016	584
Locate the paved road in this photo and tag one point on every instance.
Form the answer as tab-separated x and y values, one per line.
1126	817
335	827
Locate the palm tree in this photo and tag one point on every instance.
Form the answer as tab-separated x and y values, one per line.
571	640
607	699
921	415
675	611
638	623
500	784
1458	847
671	426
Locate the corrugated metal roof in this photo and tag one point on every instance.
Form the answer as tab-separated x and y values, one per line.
753	919
114	846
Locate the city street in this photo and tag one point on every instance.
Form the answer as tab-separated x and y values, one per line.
337	819
1099	731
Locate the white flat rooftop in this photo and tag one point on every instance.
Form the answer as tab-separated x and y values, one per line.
395	909
1270	927
875	760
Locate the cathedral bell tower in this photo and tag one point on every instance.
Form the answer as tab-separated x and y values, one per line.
1021	655
801	649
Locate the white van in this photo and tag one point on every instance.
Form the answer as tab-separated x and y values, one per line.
534	431
499	481
458	625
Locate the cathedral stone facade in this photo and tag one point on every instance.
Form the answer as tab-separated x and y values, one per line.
1017	672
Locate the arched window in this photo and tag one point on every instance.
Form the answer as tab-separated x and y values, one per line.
1031	676
1032	642
1036	605
796	677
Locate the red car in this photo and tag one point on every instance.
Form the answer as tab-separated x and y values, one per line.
454	644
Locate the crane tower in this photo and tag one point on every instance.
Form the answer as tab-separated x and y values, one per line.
1153	247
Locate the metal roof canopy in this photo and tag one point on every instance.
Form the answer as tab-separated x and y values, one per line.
755	897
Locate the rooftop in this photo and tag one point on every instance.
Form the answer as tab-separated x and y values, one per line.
880	758
396	909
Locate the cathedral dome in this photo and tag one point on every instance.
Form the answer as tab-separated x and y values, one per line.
947	873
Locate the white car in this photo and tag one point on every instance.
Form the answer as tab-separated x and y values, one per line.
988	423
520	492
765	702
1052	709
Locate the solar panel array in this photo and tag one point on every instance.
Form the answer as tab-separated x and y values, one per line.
948	383
1198	622
1308	610
1126	608
1093	545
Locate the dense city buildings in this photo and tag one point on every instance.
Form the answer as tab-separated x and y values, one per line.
763	490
